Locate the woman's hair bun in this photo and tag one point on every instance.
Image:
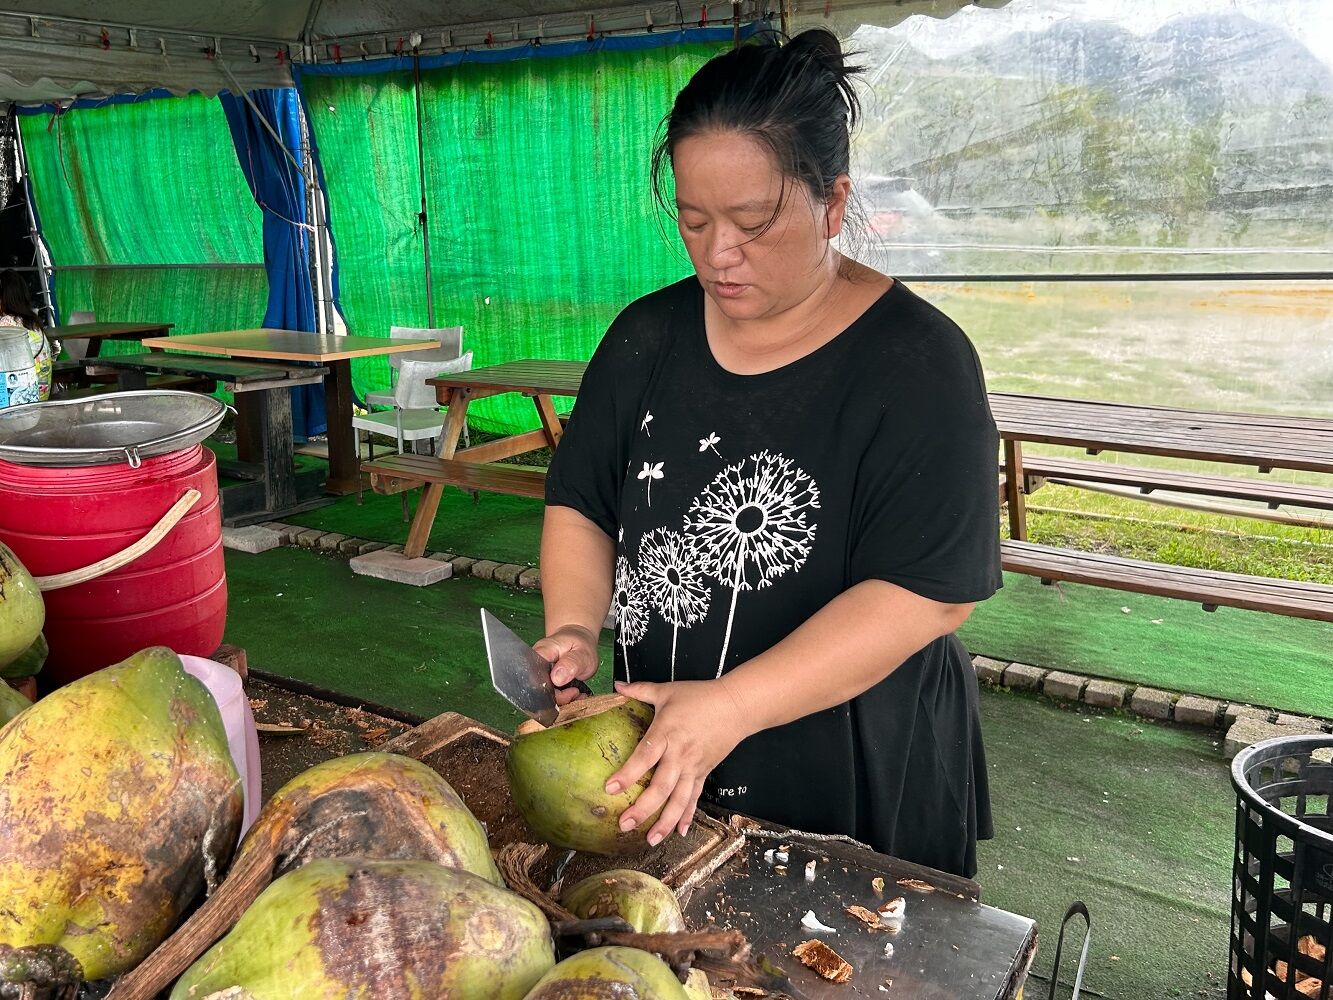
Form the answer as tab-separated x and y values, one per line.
819	45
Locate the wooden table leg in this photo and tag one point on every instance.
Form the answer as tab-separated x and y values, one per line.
550	422
274	417
455	420
344	463
419	534
1013	490
267	415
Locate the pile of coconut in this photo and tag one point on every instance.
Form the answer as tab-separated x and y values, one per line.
365	876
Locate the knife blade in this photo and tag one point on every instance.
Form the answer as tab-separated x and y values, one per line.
521	676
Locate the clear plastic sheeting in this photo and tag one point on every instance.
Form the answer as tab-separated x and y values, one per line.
1072	135
1104	137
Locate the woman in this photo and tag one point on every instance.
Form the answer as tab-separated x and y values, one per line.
27	375
781	474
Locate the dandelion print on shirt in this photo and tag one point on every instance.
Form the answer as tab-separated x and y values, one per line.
629	609
752	525
672	575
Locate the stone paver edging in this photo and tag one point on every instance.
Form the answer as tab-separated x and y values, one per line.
1245	724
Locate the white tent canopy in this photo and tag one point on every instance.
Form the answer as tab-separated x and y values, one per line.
54	50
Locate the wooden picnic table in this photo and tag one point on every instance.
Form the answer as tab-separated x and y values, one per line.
331	350
95	333
540	380
1259	440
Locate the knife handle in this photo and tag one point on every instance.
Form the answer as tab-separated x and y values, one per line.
579	686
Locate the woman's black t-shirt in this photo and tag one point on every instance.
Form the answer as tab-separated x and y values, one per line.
742	504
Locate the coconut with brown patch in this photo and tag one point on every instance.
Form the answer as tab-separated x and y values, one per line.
118	797
411	930
610	974
375	805
557	776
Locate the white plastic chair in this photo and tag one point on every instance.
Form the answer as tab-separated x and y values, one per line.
415	415
451	347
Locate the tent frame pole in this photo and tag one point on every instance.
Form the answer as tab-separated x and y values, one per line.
421	171
313	195
38	247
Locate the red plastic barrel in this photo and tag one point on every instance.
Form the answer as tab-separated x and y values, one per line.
61	519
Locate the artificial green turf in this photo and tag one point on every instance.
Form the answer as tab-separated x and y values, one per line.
1137	820
304	615
493	526
1245	656
1146	810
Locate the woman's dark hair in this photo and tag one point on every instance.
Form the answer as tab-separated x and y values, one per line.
796	99
15	300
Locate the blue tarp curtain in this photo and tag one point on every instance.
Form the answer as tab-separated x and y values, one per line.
279	190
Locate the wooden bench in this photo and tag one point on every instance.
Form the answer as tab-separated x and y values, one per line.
182	382
1037	468
239	376
1211	588
397	473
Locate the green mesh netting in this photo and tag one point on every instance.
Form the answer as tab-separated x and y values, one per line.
542	220
150	182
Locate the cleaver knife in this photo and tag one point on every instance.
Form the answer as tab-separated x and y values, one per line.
517	672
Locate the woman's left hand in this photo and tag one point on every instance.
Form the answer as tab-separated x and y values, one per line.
695	725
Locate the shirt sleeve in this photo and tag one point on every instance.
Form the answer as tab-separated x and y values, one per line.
586	473
925	514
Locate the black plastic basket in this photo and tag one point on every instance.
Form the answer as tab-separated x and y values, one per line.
1282	891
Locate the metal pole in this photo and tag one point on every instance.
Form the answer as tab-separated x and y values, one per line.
268	126
313	195
421	169
21	158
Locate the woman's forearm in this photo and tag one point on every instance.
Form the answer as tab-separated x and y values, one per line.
578	570
852	643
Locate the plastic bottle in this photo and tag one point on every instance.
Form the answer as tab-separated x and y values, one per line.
18	371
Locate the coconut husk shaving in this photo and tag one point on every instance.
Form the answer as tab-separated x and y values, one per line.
724	954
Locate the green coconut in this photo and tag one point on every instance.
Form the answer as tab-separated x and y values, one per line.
29	662
644	902
11	703
118	796
411	930
557	776
22	612
609	974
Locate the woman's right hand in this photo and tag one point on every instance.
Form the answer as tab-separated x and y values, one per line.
572	652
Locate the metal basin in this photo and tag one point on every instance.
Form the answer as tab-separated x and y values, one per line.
116	427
